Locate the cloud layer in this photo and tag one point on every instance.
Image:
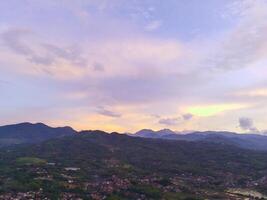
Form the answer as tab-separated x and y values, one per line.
118	64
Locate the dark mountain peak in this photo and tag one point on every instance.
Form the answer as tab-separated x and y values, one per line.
39	124
92	132
26	125
21	124
165	132
145	130
31	133
67	128
145	133
100	134
116	133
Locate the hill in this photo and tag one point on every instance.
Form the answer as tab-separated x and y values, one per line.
115	165
30	133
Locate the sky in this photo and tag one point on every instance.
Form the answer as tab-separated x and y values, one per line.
125	65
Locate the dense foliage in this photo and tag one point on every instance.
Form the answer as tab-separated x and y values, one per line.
89	163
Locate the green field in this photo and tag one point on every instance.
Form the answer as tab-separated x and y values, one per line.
30	161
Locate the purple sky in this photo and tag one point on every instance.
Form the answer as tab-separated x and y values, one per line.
124	65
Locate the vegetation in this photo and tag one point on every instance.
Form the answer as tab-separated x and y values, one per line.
92	165
30	161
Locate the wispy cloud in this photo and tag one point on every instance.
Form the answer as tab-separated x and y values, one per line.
257	92
14	39
108	113
47	57
245	44
154	25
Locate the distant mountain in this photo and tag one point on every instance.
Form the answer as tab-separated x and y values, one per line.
148	133
248	141
31	133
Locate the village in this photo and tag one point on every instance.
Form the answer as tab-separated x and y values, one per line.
74	186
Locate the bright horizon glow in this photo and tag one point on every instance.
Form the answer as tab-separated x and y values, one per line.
210	110
127	65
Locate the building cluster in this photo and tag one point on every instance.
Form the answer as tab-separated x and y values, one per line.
37	195
102	188
99	188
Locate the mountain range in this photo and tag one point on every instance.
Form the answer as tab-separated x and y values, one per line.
118	166
247	141
26	133
145	165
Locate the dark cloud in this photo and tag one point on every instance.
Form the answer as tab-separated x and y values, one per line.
13	39
247	124
187	116
108	113
169	121
98	67
155	116
73	54
42	60
175	120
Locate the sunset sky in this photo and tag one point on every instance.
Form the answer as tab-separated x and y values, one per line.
124	65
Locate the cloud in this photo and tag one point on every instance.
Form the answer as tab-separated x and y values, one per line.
146	87
155	116
175	120
14	39
153	25
169	121
134	71
70	54
258	92
247	124
25	43
187	116
130	67
108	113
245	44
98	67
41	60
140	50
